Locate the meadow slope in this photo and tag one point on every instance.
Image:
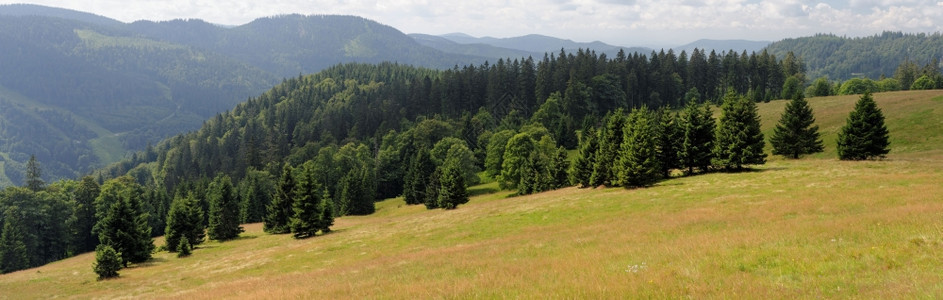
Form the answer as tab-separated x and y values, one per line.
810	228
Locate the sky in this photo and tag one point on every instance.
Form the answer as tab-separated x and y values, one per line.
649	23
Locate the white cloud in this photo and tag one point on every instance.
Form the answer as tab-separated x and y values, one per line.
634	22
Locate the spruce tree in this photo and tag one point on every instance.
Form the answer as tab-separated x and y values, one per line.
864	135
697	137
796	133
184	221
638	164
34	180
739	140
224	210
326	220
610	142
432	189
84	215
582	170
279	211
13	253
559	167
184	248
452	188
417	177
668	141
125	228
309	195
107	262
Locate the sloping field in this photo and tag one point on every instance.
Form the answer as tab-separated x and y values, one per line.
811	228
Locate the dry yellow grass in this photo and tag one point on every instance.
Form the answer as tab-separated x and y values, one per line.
812	228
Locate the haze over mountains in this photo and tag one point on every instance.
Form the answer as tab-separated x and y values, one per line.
79	91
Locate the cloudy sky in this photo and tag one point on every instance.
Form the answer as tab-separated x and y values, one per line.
626	23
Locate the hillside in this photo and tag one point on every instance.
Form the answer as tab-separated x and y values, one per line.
114	88
841	58
810	228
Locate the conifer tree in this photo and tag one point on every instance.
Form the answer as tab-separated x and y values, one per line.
739	140
326	220
125	226
796	133
638	164
13	253
34	180
452	188
309	195
184	221
432	189
107	262
417	177
279	211
610	142
668	141
697	137
184	248
224	210
559	167
582	170
864	135
84	215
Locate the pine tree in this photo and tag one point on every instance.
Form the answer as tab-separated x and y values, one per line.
107	262
638	164
13	253
697	137
34	180
796	133
582	170
184	221
224	210
309	195
452	188
279	211
739	140
864	135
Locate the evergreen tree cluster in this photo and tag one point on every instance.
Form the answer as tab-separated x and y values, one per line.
302	205
644	146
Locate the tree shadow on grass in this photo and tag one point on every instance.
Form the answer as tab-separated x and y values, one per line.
148	263
478	191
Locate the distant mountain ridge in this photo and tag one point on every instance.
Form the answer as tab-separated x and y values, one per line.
723	45
79	90
535	44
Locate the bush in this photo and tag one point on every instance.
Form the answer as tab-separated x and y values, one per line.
184	248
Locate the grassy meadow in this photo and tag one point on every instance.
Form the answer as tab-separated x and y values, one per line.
810	228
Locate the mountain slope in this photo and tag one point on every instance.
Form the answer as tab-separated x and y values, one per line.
290	45
127	85
810	228
841	58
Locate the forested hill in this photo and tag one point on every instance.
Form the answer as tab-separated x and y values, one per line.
79	91
841	58
379	115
